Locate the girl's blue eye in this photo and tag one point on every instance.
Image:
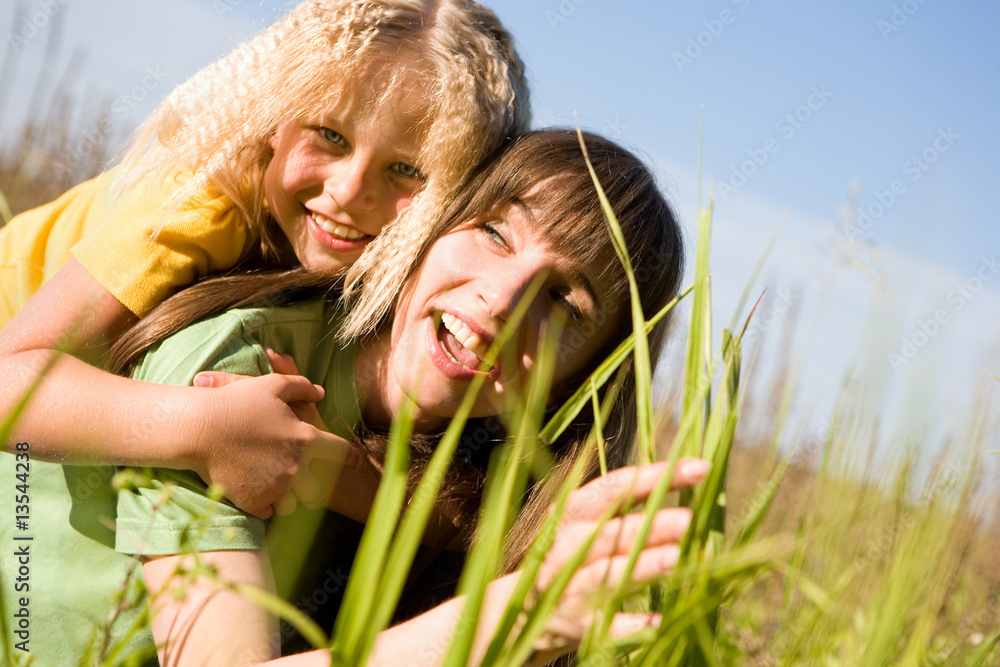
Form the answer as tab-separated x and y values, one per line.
332	136
409	171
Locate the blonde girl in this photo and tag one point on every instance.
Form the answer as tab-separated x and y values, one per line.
295	149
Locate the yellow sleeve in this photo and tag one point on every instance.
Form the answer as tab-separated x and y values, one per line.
149	245
36	243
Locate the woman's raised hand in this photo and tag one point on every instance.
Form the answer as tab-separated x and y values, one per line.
260	435
604	566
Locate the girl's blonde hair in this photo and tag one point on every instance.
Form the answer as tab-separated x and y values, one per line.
218	124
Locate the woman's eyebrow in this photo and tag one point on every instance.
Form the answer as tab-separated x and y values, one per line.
525	209
579	276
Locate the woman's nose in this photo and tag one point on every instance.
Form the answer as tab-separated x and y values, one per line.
512	283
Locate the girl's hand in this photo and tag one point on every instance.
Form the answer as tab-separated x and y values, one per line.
301	470
604	567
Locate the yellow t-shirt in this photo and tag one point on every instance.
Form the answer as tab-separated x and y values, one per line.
141	248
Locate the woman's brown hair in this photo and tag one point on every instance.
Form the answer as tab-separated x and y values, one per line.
570	209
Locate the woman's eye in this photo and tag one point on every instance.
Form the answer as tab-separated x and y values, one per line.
490	230
409	171
562	298
332	136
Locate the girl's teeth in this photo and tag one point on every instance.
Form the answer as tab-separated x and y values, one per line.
333	229
463	334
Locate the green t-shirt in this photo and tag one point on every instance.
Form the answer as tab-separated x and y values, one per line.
76	521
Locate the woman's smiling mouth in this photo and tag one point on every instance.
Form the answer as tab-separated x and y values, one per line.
458	350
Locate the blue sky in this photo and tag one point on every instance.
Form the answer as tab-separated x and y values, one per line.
805	105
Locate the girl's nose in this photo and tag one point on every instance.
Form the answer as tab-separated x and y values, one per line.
351	184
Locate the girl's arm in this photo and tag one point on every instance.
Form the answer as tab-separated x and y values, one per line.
207	626
247	437
197	622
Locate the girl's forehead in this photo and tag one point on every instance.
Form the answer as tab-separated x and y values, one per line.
379	91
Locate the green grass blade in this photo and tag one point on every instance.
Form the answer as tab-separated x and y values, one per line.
572	406
389	586
697	372
643	368
350	628
501	498
532	562
5	213
982	654
602	456
282	609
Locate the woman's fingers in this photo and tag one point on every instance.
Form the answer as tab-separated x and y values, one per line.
281	363
608	573
617	536
286	505
606	565
623	624
634	483
217	379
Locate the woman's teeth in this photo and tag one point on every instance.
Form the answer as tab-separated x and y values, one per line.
464	335
340	231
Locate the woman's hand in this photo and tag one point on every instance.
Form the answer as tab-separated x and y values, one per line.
424	639
603	568
260	478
